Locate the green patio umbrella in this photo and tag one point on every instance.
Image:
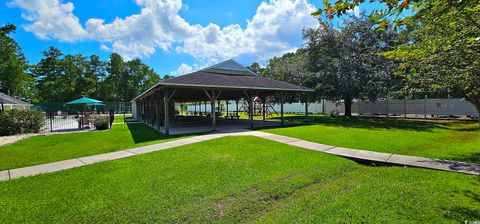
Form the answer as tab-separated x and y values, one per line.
86	101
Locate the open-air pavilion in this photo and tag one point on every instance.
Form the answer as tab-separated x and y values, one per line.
228	81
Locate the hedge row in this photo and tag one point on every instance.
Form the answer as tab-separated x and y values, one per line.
18	121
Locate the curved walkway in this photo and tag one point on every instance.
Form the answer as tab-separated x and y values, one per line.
363	155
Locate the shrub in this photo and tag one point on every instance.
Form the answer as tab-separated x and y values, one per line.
101	122
18	121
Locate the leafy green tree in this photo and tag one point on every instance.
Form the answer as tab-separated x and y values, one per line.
254	67
64	78
130	78
76	83
384	18
292	68
13	64
444	50
140	77
117	83
346	61
149	78
48	74
95	75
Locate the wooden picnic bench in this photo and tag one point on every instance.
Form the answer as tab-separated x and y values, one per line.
232	115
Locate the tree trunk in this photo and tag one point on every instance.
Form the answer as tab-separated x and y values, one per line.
348	107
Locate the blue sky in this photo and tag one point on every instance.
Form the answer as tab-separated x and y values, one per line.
172	36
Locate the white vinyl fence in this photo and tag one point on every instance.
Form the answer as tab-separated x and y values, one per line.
412	107
418	107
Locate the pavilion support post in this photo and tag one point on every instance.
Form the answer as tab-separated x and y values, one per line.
147	110
145	106
306	106
149	102
136	110
213	102
226	108
139	110
166	123
249	96
251	111
159	114
143	110
152	110
282	101
150	114
195	109
236	111
263	107
205	108
254	105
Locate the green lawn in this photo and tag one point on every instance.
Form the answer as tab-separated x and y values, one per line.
119	118
240	179
436	139
44	149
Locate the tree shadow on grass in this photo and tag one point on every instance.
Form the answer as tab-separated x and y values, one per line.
464	214
366	123
468	129
143	133
471	158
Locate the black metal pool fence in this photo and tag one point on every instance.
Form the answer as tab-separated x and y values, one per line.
60	117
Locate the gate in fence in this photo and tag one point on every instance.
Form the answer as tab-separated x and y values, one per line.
62	118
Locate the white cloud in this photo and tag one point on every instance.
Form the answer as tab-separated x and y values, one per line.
274	29
105	47
182	69
51	19
355	11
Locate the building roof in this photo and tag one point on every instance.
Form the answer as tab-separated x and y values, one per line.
222	80
227	75
6	99
229	67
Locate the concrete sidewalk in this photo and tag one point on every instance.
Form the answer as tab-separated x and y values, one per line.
379	157
368	156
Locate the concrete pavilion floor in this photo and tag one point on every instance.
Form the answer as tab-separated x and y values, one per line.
222	125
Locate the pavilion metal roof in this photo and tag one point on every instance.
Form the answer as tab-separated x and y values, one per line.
227	75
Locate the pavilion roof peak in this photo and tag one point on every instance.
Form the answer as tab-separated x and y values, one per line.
229	67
